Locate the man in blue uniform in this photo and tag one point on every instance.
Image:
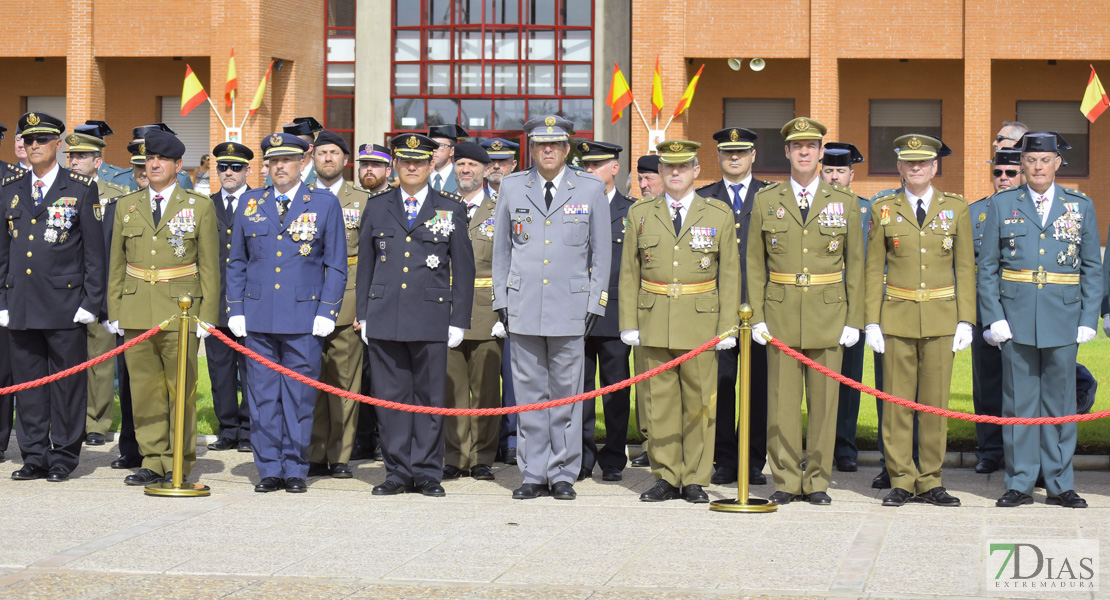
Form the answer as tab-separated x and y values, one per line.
306	128
442	178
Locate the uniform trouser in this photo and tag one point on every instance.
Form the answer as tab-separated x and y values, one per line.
281	407
153	371
847	410
51	423
608	356
921	366
726	445
549	442
128	444
473	381
1038	382
986	394
335	419
102	380
366	431
410	373
7	401
228	370
508	398
680	416
785	379
643	397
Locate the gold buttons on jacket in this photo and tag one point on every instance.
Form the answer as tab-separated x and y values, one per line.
405	269
805	232
279	236
547	223
545	282
805	250
33	221
404	286
545	261
922	234
277	286
408	238
277	270
1042	250
548	242
1042	235
28	271
406	255
279	253
923	251
28	255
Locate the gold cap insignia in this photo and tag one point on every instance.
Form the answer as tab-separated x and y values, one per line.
801	125
142	149
32	119
230	149
496	145
412	142
71	140
585	147
914	143
549	121
275	140
676	146
733	135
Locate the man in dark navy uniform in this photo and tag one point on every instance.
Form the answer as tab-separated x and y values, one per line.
7	401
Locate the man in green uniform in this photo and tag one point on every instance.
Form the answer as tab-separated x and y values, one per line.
921	239
679	287
164	244
805	282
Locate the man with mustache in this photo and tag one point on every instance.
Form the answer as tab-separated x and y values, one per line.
373	167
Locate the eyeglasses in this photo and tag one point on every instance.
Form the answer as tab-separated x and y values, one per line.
1002	137
1011	173
237	167
31	140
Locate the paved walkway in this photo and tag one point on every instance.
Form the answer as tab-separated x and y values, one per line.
92	537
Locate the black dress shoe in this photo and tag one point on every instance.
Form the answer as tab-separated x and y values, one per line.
318	470
143	477
1013	498
723	476
819	498
510	456
757	478
611	475
341	471
897	497
379	457
846	464
783	498
530	491
986	465
938	496
1068	499
223	444
95	439
482	473
641	460
585	474
389	488
431	488
694	494
28	473
57	474
881	481
452	472
244	446
660	492
127	462
563	490
295	485
269	484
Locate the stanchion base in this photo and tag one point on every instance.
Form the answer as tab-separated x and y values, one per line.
186	490
754	505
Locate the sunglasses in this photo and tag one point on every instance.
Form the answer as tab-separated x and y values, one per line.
237	167
1011	173
31	140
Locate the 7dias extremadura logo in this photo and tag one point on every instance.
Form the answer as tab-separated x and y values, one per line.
1062	565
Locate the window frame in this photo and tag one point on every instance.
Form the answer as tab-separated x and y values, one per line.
871	149
1086	167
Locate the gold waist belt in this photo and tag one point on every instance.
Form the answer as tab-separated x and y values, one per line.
1028	276
161	275
674	290
922	295
806	279
352	260
483	282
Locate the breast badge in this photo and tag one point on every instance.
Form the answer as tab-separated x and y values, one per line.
306	249
432	261
834	245
704	263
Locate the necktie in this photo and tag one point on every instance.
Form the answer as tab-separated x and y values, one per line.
803	203
1042	206
920	213
438	185
283	207
548	193
470	208
36	193
156	208
676	206
410	209
737	195
229	204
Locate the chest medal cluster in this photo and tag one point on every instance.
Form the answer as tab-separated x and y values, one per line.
303	230
701	238
441	224
832	216
59	220
1067	228
181	223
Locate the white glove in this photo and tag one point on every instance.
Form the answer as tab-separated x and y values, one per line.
110	327
237	325
727	343
1106	323
1085	335
202	332
3	318
875	338
498	330
115	328
963	336
454	337
322	326
988	338
758	331
84	317
631	337
849	337
1000	331
362	332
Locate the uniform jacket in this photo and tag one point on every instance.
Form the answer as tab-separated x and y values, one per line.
120	176
1042	315
938	254
44	282
609	325
136	239
109	192
780	241
352	200
743	217
225	223
551	266
480	231
653	252
8	169
279	283
414	282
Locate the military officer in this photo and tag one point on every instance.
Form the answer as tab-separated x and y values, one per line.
227	368
1041	282
7	401
651	186
306	128
138	165
138	134
110	173
335	418
373	168
549	295
502	162
84	158
737	188
474	366
443	160
52	260
414	301
605	353
285	284
673	301
920	245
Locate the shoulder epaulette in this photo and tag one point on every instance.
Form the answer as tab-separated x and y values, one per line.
451	196
81	178
765	183
952	195
1075	192
15	177
196	194
644	200
138	191
716	203
111	200
770	186
884	196
376	194
116	187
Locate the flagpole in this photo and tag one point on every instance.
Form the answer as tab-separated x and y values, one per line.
669	122
217	111
247	116
637	105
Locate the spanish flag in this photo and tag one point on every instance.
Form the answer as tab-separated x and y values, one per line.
688	95
1095	100
192	92
656	91
232	81
620	95
258	94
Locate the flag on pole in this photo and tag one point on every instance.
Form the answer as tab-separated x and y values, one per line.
258	94
620	95
688	95
192	92
232	81
1095	100
656	91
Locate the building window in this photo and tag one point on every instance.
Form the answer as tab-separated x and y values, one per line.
1064	118
765	116
339	72
891	119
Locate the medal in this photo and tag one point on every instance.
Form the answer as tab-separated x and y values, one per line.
306	248
62	238
947	243
432	261
51	236
704	264
780	213
833	246
179	251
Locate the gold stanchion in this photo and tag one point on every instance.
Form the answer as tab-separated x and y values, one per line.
177	488
744	503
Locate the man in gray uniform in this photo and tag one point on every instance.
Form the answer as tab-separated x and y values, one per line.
551	261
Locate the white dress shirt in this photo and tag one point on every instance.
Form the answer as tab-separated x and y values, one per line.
746	184
927	199
685	201
1048	195
165	194
47	180
811	189
238	194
